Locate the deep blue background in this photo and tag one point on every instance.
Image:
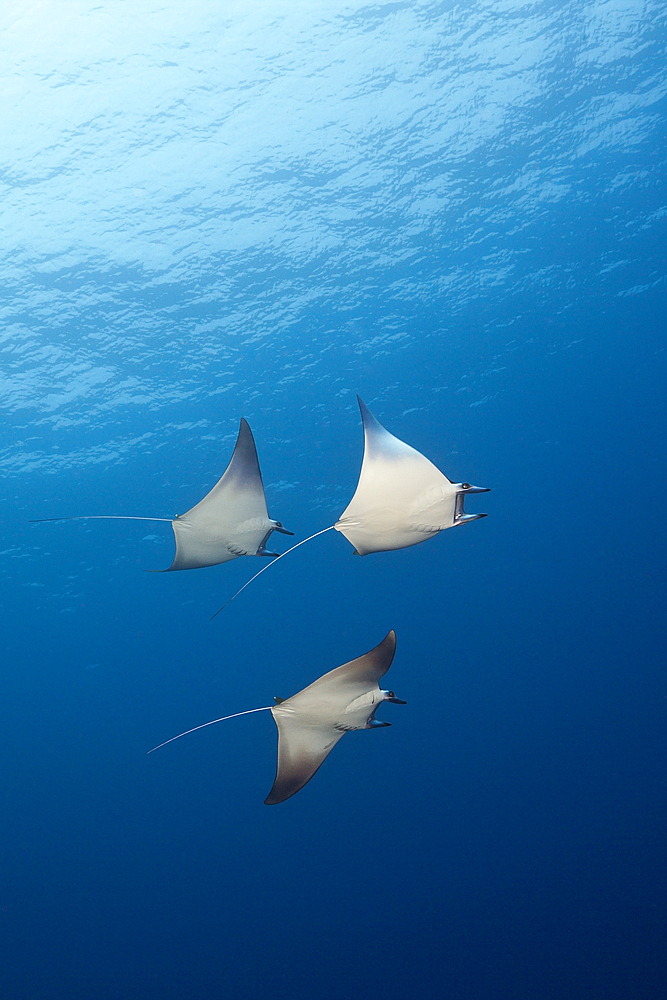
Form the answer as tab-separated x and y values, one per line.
492	283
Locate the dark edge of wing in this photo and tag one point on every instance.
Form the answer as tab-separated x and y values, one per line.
244	463
372	665
292	776
243	466
368	420
368	668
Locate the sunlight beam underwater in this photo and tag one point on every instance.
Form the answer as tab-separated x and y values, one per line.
313	720
232	519
401	499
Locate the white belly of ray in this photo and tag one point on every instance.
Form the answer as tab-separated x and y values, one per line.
401	498
207	545
434	510
359	709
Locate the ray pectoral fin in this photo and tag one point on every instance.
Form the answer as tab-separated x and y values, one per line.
291	777
302	750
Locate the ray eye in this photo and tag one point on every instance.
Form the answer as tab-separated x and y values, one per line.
465	486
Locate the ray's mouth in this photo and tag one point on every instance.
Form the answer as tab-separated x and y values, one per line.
460	516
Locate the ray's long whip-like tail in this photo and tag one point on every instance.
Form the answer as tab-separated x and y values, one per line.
272	563
249	711
98	517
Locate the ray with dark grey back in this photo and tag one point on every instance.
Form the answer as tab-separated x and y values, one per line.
232	519
311	722
401	498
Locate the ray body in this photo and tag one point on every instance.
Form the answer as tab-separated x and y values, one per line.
401	498
232	519
311	722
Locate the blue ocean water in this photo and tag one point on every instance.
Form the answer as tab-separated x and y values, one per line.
220	210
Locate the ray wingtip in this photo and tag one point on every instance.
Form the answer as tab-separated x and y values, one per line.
273	800
368	420
387	647
245	434
244	457
390	639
